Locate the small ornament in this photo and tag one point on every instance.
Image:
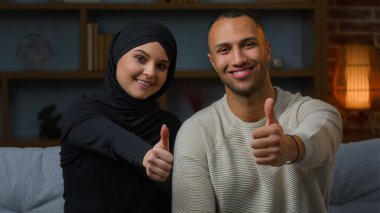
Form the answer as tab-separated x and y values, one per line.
33	51
278	63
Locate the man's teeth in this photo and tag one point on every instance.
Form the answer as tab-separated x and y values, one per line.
143	83
240	72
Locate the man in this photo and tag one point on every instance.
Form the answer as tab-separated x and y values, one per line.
259	148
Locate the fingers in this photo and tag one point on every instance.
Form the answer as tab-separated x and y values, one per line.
269	112
274	131
158	164
158	169
264	142
267	156
165	137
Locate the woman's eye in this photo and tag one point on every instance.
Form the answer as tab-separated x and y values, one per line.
140	58
162	66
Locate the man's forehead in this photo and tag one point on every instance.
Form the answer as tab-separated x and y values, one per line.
238	22
230	28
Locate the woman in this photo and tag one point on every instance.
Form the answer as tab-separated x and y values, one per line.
115	155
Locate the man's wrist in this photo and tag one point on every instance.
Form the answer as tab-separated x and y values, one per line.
295	144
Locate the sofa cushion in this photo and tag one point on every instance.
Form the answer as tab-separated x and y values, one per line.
356	185
31	180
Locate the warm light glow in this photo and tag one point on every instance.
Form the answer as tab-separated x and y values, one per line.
357	77
356	83
355	80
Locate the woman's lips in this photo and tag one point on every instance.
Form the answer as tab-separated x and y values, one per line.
144	83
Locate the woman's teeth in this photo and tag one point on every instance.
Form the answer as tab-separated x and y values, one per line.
144	83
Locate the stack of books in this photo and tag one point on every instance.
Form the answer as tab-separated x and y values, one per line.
97	47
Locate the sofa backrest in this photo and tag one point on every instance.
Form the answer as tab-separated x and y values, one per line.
356	185
31	180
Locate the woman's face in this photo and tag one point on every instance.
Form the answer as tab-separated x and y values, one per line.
142	71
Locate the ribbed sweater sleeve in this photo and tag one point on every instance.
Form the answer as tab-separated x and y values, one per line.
192	185
320	128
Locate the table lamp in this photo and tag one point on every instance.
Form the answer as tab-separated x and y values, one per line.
356	81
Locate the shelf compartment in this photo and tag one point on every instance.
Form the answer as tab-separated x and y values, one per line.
185	97
158	6
27	98
39	40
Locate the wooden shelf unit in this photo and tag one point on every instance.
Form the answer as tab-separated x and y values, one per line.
316	75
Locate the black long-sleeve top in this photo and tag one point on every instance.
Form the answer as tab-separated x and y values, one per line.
102	165
105	135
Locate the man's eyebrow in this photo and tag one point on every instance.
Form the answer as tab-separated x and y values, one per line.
249	39
220	45
242	41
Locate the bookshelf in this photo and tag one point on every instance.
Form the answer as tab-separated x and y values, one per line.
295	29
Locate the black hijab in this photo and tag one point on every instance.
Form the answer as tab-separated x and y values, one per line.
141	117
131	36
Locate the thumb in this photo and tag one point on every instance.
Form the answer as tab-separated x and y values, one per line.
165	137
269	112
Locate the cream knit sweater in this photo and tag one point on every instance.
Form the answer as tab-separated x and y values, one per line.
215	170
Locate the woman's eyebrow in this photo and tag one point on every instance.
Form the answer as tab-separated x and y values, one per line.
147	55
142	51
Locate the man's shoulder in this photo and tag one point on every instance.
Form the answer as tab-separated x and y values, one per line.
207	114
291	104
289	99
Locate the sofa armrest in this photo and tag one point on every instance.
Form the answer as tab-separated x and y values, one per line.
356	183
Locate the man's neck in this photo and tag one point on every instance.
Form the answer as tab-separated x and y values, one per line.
250	108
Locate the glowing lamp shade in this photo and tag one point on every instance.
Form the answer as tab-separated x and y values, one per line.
356	80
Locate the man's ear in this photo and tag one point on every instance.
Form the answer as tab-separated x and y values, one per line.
211	61
267	50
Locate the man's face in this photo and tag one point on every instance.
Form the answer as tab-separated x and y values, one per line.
239	53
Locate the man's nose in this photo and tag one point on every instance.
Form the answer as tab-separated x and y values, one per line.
238	57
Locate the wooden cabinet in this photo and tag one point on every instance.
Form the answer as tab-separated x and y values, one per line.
296	31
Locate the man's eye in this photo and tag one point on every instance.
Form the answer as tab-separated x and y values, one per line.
249	44
222	51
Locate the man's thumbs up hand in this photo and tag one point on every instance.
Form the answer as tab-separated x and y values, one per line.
158	161
269	144
269	112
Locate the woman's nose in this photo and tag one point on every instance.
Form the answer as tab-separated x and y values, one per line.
150	70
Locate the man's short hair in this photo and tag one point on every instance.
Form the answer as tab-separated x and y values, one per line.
235	13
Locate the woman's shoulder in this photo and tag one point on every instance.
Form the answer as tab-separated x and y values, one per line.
171	120
81	100
83	104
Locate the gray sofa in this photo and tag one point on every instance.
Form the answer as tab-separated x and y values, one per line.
356	186
31	179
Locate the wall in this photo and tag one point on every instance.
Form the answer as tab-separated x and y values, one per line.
352	21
